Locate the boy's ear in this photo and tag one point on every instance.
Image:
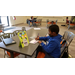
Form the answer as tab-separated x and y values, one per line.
54	33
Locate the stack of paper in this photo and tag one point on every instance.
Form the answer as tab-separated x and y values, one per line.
37	28
34	41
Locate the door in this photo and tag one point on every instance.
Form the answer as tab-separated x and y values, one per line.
4	20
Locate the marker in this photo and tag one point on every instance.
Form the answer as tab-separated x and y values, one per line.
38	35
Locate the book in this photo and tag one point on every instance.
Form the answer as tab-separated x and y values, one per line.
23	39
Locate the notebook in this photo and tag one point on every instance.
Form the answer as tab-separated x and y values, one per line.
8	41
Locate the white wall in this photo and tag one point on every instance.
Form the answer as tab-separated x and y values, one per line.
44	18
59	18
22	19
19	19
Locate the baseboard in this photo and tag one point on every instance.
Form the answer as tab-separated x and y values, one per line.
57	22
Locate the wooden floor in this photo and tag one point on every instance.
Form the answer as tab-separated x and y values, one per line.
43	25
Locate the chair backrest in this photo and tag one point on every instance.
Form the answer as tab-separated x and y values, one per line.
23	29
15	32
7	35
47	20
68	36
1	38
2	28
56	21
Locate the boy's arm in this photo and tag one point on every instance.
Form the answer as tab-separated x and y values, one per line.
44	38
49	48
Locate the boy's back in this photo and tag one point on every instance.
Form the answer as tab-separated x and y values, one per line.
53	45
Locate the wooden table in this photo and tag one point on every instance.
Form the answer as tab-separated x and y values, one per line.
28	50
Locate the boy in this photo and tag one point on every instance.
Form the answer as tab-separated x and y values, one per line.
52	48
67	21
31	20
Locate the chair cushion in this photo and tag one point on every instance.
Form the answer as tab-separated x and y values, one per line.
63	43
1	31
51	23
67	23
41	55
15	54
36	22
72	24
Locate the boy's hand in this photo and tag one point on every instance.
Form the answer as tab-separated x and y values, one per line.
39	42
37	38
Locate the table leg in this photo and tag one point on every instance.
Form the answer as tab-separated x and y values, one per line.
25	56
11	53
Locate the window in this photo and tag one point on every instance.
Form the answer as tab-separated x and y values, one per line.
4	20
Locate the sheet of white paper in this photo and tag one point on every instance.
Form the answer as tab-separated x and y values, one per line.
33	41
37	28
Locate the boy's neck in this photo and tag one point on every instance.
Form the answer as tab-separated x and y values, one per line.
55	34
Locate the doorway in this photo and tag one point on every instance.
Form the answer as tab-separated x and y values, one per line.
4	20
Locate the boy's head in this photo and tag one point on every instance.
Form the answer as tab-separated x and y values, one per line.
53	30
31	17
66	17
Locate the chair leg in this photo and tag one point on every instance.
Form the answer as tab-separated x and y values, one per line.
47	25
68	26
18	56
4	54
25	56
40	23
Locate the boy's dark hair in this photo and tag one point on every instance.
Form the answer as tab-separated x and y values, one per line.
31	17
66	17
54	28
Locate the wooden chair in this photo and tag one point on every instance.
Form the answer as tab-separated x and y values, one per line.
71	24
17	31
38	22
11	35
1	38
68	37
6	53
50	22
1	31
